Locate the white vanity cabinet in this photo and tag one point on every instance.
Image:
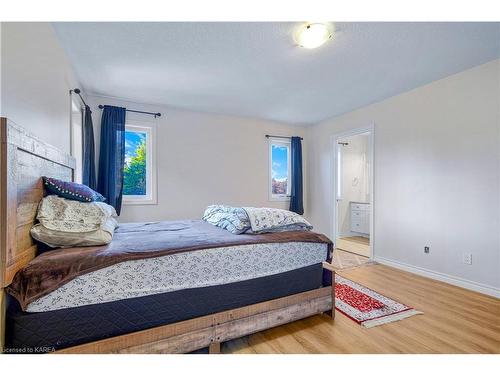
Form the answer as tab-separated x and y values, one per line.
360	217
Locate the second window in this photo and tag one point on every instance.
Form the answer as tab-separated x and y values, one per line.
279	169
138	173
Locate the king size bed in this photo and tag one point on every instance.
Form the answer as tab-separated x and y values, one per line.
163	287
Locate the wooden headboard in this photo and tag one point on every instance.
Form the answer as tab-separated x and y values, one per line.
24	159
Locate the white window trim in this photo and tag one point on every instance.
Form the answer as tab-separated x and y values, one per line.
151	166
76	148
279	197
339	171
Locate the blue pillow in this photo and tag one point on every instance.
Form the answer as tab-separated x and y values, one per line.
71	190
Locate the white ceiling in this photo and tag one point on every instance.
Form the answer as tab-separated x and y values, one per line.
255	70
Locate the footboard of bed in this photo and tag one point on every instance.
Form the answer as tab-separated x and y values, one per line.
211	330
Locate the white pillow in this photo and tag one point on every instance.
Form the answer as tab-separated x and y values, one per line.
55	238
67	215
266	219
64	222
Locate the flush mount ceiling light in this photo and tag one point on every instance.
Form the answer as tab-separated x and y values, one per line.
313	35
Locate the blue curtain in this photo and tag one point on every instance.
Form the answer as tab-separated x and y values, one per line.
296	198
112	155
88	171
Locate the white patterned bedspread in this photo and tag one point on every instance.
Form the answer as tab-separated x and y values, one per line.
173	272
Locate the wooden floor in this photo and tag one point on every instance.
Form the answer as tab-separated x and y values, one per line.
455	320
354	244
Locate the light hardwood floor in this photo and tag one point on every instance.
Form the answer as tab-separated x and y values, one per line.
355	244
455	320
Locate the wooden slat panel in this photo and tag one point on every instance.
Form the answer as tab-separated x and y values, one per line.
10	219
19	262
24	160
31	167
26	213
27	191
24	140
114	344
184	343
172	335
227	316
245	326
23	238
214	348
3	204
213	336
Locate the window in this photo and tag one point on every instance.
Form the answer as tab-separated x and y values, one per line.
279	169
77	138
139	174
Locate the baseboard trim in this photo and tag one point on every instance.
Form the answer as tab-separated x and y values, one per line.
453	280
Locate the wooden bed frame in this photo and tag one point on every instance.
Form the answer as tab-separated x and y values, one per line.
23	160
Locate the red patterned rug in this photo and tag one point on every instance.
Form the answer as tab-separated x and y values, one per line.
367	307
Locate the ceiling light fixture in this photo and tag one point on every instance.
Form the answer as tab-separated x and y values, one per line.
313	35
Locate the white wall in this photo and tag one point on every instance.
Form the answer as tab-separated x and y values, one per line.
354	179
36	78
436	169
203	159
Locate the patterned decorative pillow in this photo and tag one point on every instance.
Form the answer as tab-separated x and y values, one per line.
71	190
233	219
267	220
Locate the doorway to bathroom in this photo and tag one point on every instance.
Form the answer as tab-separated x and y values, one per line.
352	216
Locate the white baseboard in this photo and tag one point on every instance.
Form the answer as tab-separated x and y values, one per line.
457	281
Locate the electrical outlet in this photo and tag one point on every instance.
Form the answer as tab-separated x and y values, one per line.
467	258
427	249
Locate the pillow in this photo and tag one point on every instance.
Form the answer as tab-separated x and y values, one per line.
55	238
64	222
232	219
267	220
71	190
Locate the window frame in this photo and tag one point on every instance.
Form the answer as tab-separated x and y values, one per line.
340	170
76	138
288	144
151	169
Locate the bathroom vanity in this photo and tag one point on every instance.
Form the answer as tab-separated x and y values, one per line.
360	217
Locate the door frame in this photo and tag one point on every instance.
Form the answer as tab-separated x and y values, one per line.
333	183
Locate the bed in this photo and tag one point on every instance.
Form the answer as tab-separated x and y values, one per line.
168	301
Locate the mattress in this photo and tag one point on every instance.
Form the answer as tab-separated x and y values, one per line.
57	329
187	270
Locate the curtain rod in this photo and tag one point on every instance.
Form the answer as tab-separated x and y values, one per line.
77	91
279	136
158	114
